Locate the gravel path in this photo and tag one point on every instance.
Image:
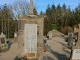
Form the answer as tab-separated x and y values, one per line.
58	50
11	53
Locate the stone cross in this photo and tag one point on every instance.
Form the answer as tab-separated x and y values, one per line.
31	8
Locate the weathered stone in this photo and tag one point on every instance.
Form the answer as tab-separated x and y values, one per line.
70	38
32	20
31	8
78	43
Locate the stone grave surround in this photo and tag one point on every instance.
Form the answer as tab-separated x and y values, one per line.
22	20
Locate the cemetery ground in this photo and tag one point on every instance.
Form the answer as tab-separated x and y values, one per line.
58	49
57	46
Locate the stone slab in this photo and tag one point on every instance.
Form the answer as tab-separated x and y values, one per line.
76	54
30	40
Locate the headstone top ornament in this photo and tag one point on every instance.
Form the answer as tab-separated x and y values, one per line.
31	8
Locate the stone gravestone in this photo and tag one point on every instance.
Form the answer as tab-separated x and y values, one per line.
49	34
23	37
3	42
70	38
15	36
30	39
76	54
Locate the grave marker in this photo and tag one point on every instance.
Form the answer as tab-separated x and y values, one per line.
26	43
30	38
76	54
70	38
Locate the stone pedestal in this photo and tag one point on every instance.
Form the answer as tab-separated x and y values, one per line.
31	19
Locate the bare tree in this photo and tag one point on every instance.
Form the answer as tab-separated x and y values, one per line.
20	7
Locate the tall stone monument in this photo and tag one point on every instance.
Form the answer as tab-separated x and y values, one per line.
31	7
26	25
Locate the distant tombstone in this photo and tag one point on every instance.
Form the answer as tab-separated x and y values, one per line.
70	37
30	39
3	42
49	35
76	54
15	34
2	39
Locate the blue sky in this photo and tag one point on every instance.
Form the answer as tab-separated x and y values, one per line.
42	4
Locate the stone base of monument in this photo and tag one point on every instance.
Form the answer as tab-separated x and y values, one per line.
26	39
30	55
